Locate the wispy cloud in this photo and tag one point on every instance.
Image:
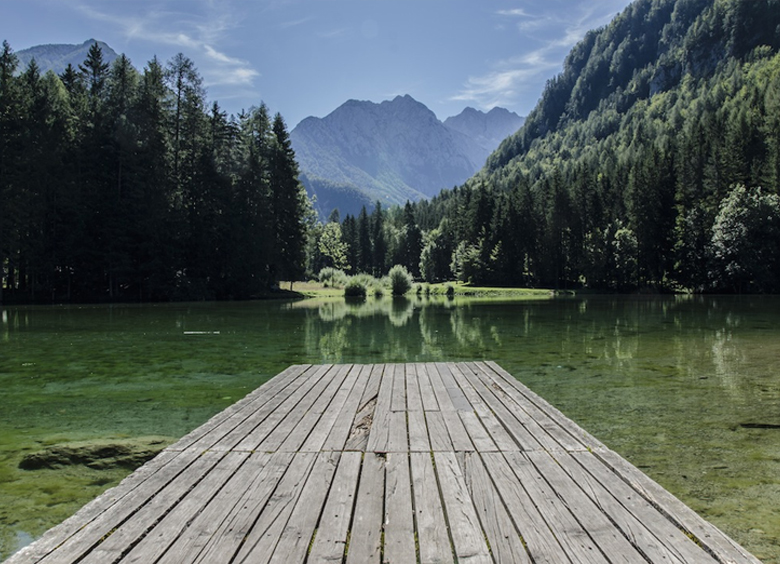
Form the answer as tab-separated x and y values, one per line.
295	23
550	35
516	12
200	32
333	33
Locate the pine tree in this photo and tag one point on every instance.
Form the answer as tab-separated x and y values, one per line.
288	204
10	130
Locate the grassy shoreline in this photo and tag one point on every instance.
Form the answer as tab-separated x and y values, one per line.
314	289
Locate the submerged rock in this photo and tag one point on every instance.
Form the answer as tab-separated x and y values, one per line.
100	454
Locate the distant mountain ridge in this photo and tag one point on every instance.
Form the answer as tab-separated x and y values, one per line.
393	151
56	57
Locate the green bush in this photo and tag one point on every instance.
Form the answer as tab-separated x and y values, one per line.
332	276
355	288
400	280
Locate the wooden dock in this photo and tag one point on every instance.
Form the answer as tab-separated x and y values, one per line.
390	463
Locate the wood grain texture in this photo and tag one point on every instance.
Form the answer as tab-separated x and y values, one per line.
422	462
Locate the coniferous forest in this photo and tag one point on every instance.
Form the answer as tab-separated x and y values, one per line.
120	185
652	162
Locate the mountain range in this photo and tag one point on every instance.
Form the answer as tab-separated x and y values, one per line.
57	57
393	151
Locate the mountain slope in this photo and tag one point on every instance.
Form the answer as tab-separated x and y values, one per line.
627	174
650	48
57	57
393	151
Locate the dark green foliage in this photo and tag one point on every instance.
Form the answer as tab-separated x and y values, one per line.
120	185
746	241
622	174
356	287
400	280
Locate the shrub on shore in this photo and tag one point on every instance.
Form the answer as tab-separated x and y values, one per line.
333	277
400	280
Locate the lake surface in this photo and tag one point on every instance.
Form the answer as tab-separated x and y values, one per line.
687	388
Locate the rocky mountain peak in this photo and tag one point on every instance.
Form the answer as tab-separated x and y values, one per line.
392	151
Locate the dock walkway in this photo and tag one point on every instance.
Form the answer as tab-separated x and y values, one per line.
387	463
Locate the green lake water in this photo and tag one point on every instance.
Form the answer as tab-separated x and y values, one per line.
686	388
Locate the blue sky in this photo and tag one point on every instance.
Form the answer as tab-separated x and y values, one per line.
307	57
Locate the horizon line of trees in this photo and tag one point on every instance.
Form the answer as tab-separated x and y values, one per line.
119	185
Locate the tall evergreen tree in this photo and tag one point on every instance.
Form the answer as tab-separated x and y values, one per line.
288	206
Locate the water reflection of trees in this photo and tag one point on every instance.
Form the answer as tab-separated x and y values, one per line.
631	339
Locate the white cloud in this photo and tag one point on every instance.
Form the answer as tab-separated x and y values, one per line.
200	32
333	33
517	12
548	35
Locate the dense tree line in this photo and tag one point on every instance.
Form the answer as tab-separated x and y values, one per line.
651	162
117	184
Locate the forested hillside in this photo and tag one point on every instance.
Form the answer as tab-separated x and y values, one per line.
124	185
651	162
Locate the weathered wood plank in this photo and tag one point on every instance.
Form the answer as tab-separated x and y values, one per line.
173	525
297	534
372	386
418	432
548	432
432	535
282	384
506	394
399	522
459	400
330	542
259	544
83	541
456	429
643	524
398	398
204	525
340	432
579	546
248	438
231	533
599	528
521	436
506	545
299	422
139	523
426	388
437	432
542	543
476	432
502	439
318	427
397	438
423	462
379	433
467	535
365	544
706	533
581	435
442	397
60	534
413	397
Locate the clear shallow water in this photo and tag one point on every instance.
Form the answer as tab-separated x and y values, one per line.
686	388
